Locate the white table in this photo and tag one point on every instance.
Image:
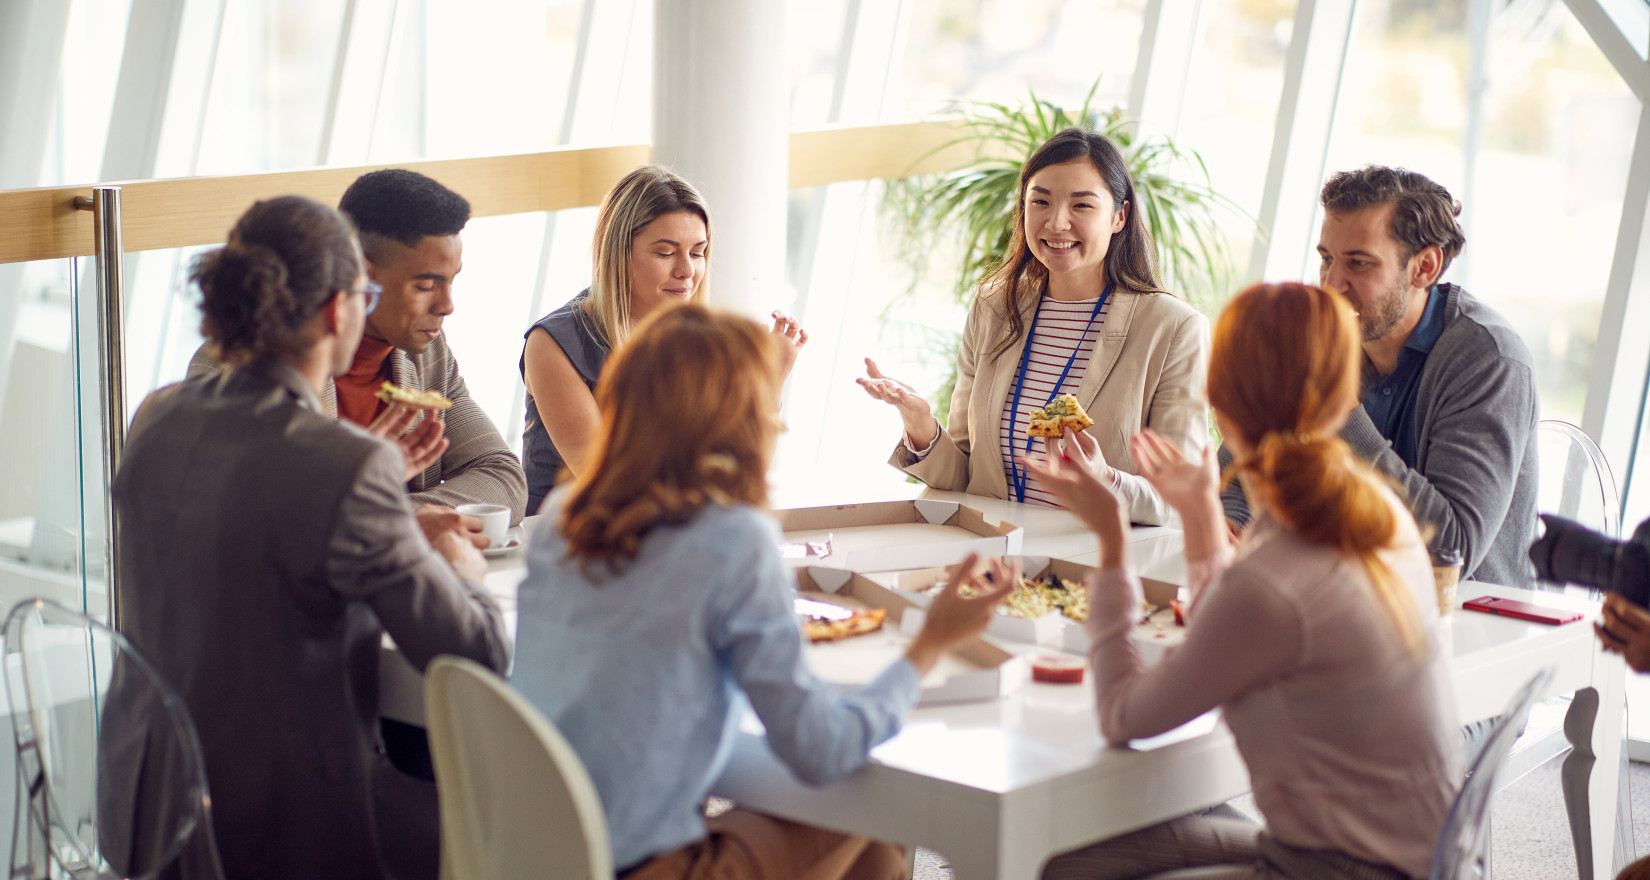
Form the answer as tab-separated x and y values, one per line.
998	787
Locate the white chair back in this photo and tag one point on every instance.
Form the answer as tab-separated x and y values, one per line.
1463	845
515	798
1576	481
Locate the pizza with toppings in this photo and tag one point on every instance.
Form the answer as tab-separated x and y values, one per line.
1062	412
1034	597
392	393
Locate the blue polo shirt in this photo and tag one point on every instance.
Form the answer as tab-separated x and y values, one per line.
1390	400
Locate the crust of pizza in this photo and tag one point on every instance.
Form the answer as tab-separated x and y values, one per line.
392	393
862	622
1062	412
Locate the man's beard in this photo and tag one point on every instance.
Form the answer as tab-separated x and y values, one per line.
1384	313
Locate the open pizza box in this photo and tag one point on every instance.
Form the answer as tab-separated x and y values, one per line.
882	535
977	671
1054	629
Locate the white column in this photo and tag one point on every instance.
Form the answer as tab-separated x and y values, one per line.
721	108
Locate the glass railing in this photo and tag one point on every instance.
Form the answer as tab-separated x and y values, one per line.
52	504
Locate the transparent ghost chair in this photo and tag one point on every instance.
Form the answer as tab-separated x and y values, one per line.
1575	480
109	776
1463	845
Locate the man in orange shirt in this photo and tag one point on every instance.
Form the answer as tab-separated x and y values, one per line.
409	226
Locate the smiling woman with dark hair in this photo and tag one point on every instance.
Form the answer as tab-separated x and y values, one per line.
1076	308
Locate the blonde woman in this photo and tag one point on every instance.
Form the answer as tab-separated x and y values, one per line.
651	249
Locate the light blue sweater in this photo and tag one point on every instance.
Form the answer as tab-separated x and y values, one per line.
640	671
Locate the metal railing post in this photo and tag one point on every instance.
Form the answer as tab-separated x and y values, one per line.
110	253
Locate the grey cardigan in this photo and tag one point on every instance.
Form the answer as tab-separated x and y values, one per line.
1474	479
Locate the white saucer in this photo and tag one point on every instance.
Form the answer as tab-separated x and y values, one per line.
513	540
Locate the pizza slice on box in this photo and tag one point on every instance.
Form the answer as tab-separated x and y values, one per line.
860	623
1062	412
827	622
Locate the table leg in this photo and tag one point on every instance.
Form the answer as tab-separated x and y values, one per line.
1594	727
1576	773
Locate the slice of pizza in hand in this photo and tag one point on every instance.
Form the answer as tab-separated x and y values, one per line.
1062	412
392	393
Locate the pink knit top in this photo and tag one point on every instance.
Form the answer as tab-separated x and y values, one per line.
1352	741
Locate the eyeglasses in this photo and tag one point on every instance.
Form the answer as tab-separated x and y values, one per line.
372	292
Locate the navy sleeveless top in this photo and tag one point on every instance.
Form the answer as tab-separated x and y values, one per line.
572	328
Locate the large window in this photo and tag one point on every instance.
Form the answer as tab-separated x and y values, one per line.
1541	178
998	49
1229	111
1537	147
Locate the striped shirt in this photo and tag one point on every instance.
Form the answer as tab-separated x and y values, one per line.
1060	328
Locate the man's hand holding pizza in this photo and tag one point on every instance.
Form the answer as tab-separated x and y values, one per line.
422	446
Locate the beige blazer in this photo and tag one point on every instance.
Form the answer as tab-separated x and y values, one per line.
1148	370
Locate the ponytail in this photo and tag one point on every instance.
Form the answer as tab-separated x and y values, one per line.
1283	374
1319	490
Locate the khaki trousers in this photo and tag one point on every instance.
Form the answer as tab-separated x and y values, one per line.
742	845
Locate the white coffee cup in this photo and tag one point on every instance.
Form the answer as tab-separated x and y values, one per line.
495	520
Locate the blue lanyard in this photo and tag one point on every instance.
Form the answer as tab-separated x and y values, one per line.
1019	475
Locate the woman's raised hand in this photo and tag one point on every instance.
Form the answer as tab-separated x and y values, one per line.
1190	487
953	619
1184	484
1079	490
920	428
791	339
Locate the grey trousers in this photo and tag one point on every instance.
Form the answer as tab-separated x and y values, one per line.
1212	846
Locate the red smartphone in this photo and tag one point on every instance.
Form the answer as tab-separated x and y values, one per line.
1522	610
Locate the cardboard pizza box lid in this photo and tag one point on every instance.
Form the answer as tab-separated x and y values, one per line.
893	534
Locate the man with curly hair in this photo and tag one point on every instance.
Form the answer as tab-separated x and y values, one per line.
1449	404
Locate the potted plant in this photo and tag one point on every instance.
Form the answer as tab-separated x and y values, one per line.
973	203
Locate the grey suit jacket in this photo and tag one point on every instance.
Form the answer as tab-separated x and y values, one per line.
1147	371
478	466
265	550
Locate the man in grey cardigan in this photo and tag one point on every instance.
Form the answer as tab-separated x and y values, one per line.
1449	404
